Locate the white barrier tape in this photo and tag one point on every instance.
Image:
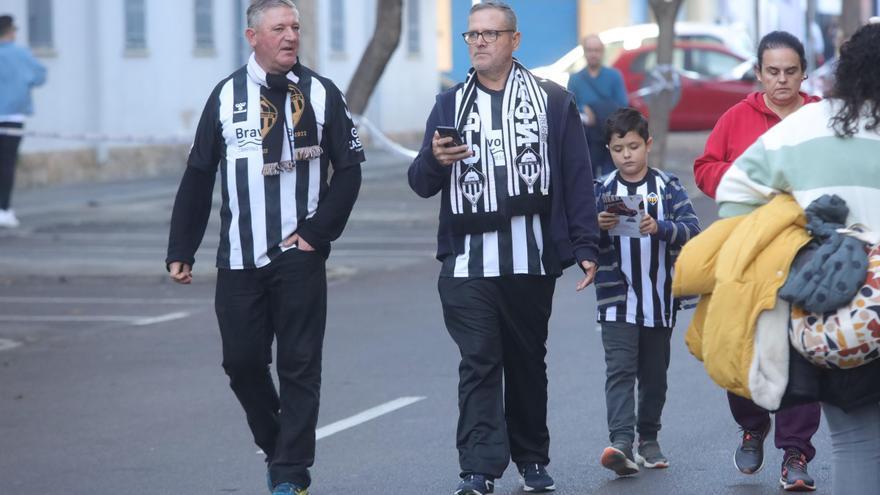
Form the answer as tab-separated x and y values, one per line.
97	137
383	140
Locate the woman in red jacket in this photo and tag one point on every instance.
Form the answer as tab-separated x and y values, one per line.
781	76
780	69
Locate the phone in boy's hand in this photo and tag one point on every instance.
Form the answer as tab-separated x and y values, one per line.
448	131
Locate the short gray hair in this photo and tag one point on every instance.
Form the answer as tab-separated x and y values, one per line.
257	7
505	9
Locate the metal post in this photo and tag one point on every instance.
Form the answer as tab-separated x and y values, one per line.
757	21
238	26
810	47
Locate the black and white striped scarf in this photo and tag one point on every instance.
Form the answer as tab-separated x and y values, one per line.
516	157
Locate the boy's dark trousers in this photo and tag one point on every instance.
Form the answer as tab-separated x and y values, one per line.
500	327
286	299
795	425
634	352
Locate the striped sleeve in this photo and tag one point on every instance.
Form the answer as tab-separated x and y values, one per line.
684	223
751	182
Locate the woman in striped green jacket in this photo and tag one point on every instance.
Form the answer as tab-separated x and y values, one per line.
830	147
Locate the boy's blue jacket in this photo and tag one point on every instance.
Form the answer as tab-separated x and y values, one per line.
611	285
573	221
19	72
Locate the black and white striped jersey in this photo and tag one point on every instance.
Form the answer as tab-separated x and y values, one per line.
645	262
520	250
259	211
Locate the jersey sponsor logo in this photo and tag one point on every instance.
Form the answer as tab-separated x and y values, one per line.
240	107
495	141
248	139
355	143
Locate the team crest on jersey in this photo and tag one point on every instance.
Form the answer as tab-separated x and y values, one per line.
471	183
528	165
268	116
653	199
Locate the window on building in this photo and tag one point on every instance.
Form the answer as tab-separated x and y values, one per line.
204	24
337	26
39	19
413	23
135	25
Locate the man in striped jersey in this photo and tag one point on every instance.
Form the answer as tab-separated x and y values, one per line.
516	208
634	290
272	128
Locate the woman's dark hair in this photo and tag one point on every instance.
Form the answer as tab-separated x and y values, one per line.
624	120
781	39
857	82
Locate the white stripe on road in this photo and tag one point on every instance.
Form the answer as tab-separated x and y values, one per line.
100	300
160	319
365	416
134	320
6	344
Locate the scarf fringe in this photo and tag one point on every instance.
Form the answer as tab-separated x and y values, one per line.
308	152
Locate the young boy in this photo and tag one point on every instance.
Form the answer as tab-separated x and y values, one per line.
634	291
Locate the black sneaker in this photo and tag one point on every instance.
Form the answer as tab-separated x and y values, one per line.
475	484
619	458
794	473
650	456
535	478
749	457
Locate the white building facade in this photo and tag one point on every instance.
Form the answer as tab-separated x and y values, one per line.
144	68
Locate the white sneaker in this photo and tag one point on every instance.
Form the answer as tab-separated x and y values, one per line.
8	219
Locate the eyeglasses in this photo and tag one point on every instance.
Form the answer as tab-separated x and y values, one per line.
490	36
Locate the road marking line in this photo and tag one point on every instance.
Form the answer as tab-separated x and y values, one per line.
66	318
99	300
6	344
133	320
160	319
365	416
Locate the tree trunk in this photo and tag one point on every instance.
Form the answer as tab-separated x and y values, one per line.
662	103
385	39
851	18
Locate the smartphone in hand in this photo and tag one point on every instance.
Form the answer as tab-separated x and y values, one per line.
448	131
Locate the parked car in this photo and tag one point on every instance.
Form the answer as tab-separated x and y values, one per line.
616	40
712	80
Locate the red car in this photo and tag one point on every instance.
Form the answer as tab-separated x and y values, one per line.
712	77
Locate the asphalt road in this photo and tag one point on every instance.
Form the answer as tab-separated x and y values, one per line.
110	378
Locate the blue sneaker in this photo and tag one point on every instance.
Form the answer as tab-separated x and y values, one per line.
535	478
475	484
289	489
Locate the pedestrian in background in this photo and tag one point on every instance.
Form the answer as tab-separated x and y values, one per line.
19	73
780	70
636	309
598	92
273	128
516	208
831	147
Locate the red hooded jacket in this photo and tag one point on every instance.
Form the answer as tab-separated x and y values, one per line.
735	131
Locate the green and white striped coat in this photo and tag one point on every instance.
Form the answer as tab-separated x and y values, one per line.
802	156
